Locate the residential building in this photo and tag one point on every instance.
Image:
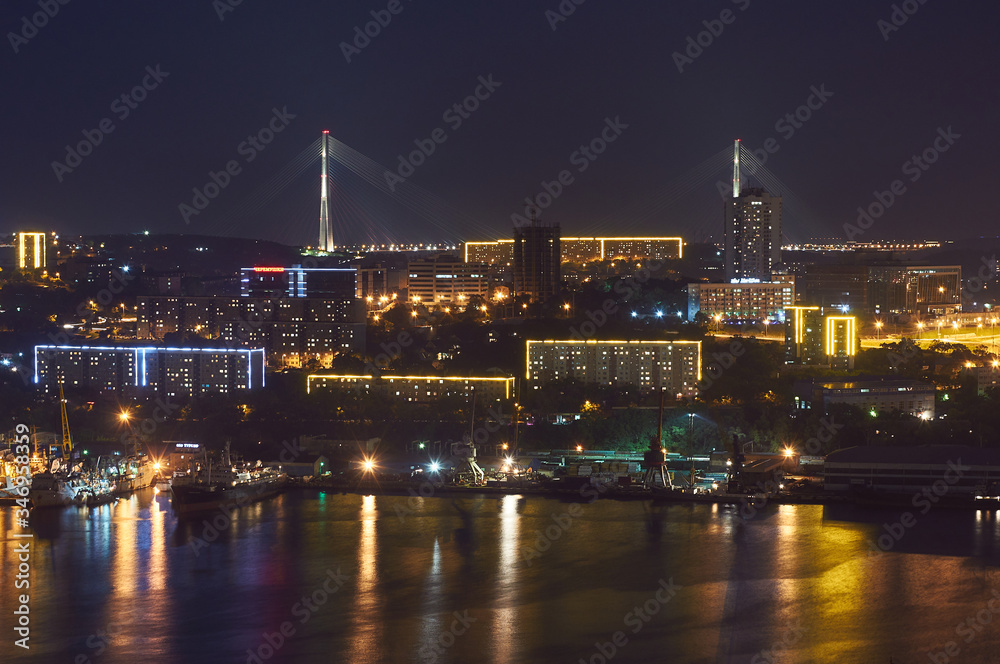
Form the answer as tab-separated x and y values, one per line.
671	366
149	370
417	389
537	262
752	235
742	301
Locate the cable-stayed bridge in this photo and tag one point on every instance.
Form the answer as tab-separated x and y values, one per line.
367	204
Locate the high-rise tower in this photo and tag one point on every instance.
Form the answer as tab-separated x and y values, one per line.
325	229
752	230
537	260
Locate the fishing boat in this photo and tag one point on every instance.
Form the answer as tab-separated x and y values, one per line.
57	489
219	482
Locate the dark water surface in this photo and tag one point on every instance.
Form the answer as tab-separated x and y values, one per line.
476	579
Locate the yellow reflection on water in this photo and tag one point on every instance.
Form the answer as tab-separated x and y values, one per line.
430	619
505	617
121	520
158	547
366	633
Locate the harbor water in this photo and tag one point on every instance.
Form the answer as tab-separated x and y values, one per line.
330	577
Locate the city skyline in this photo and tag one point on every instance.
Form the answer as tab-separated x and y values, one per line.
204	87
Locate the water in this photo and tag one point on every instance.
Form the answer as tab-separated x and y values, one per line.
442	580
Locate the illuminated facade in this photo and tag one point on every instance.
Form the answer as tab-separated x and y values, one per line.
31	251
417	389
840	341
291	330
446	281
886	288
325	282
673	366
149	370
752	235
741	301
499	253
583	250
812	338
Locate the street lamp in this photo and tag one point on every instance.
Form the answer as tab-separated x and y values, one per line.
878	330
765	327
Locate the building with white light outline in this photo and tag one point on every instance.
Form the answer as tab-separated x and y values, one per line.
149	370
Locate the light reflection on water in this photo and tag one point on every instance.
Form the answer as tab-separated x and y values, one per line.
129	573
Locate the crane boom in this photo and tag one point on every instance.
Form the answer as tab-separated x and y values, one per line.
67	440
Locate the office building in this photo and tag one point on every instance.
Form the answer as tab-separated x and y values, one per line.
885	288
447	281
149	370
278	282
873	395
750	301
671	366
752	235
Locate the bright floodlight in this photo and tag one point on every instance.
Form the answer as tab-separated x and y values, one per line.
368	465
789	451
435	467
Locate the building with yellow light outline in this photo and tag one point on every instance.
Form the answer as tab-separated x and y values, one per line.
31	251
582	249
416	389
812	338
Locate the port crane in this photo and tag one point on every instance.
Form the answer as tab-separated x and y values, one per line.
67	439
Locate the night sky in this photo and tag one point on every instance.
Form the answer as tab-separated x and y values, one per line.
607	60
